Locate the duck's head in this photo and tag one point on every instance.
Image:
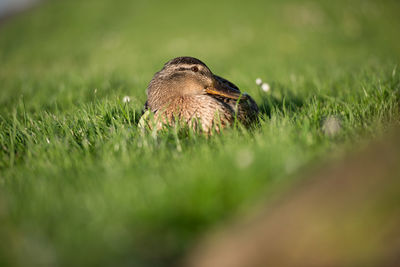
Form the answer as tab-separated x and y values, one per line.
185	76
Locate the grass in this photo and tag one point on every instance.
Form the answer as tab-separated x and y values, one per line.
80	185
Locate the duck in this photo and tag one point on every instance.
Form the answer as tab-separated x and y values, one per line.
186	90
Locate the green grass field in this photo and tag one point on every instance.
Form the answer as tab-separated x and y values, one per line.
81	186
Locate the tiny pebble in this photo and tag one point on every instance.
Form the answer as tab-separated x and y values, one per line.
244	158
331	126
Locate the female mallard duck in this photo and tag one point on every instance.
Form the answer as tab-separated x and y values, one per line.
186	89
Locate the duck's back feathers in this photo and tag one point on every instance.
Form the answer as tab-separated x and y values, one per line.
246	108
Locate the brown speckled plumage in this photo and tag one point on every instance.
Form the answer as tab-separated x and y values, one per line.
187	90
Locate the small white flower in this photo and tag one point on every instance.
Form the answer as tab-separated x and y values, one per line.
47	140
265	87
258	81
126	99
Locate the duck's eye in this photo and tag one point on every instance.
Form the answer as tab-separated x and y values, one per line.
195	69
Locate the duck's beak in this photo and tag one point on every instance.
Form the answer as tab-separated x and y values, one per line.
219	89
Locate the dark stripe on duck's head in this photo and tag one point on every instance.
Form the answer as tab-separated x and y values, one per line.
185	60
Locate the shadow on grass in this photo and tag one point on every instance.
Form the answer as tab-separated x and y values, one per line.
282	100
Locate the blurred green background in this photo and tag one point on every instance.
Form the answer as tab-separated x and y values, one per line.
80	185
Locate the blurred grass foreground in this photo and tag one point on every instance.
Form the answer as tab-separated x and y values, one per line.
80	185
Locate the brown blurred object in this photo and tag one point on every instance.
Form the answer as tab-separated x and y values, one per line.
346	213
